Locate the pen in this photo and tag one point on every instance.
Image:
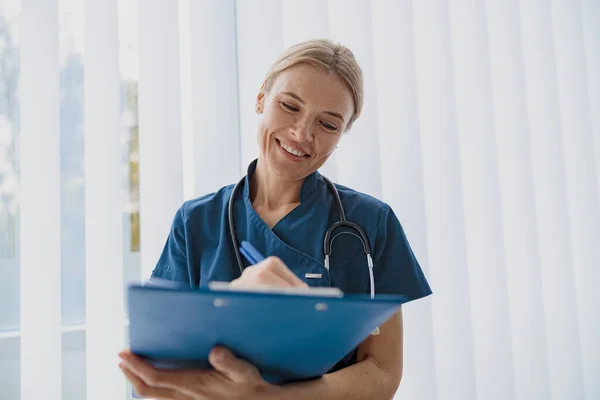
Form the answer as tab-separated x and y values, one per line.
250	253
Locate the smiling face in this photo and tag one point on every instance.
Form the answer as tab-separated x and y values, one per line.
304	114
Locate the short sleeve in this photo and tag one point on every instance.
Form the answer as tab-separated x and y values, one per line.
174	259
396	269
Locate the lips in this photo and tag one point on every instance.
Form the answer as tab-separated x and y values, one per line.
292	149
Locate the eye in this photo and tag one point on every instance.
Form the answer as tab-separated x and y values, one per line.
329	127
289	106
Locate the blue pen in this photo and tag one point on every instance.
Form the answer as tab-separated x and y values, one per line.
250	253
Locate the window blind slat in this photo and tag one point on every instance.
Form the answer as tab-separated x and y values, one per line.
214	95
40	202
452	327
481	200
590	10
402	174
520	235
159	105
103	202
580	178
551	207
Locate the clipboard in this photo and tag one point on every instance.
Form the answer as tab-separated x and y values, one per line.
287	336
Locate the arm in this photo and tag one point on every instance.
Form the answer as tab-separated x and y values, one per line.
177	255
376	375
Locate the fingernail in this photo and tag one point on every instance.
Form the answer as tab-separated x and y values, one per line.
218	354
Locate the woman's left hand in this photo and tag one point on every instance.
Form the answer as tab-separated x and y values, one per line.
231	378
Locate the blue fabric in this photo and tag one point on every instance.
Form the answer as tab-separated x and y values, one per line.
199	249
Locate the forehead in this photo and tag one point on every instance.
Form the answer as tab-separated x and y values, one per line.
318	88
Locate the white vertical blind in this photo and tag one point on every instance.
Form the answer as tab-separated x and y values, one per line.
402	174
548	161
40	202
521	251
580	173
161	175
452	327
591	37
590	9
481	129
357	157
294	17
481	202
187	125
259	42
214	86
103	202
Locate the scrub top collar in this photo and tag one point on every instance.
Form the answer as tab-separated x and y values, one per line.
309	186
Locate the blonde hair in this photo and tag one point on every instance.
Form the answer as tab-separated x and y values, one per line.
329	56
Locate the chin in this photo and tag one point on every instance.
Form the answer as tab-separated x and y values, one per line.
290	170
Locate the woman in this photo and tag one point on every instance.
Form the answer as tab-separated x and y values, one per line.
310	97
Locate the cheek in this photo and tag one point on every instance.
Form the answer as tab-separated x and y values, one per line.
264	131
263	127
269	122
329	143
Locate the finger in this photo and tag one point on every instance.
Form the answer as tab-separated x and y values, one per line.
262	275
270	277
150	375
275	265
144	390
232	367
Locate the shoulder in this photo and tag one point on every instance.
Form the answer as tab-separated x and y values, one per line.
397	270
208	205
364	207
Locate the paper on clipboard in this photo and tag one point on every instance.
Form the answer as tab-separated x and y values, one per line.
309	291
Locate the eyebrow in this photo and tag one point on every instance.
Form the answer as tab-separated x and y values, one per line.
332	113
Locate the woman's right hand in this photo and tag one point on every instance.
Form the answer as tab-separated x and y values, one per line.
269	272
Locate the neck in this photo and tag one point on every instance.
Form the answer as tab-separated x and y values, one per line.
272	192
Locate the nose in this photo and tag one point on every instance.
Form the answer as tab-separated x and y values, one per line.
303	130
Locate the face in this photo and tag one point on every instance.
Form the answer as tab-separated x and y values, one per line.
303	117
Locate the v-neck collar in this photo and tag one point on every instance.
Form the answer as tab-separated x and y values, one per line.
309	186
307	191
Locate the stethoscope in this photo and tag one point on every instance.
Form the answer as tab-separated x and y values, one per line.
328	239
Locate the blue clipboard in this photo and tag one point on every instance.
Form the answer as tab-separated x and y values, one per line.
288	337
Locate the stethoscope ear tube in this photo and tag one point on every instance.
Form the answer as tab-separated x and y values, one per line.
234	242
338	201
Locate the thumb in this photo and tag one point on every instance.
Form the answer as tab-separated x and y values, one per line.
229	365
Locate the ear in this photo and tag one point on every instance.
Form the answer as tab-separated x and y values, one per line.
260	100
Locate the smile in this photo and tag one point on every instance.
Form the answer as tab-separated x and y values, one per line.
292	150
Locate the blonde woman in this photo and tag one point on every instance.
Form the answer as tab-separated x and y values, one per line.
310	97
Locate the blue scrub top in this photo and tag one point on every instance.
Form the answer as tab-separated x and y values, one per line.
199	249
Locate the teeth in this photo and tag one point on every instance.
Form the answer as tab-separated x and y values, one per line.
291	150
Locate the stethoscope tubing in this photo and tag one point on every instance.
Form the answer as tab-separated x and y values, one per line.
327	239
